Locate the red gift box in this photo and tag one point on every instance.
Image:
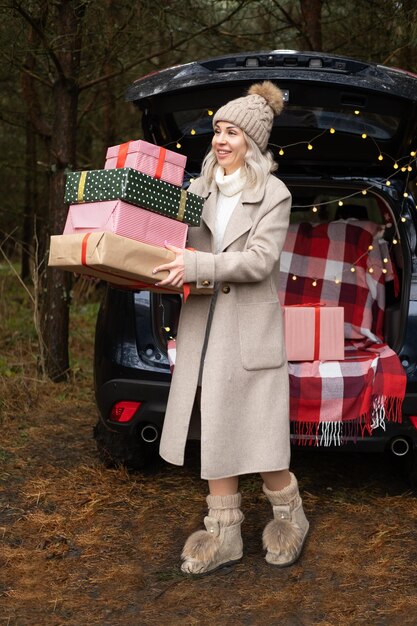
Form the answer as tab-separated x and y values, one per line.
122	218
314	333
149	159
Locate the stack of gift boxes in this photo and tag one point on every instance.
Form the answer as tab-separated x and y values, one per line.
120	217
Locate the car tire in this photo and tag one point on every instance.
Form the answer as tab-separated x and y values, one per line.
127	450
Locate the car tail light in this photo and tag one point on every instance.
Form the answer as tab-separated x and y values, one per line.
124	411
413	420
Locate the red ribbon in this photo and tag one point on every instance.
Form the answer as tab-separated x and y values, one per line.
122	154
161	162
84	249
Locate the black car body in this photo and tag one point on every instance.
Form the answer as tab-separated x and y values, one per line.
372	110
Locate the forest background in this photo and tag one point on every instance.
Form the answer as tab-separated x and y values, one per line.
65	67
81	544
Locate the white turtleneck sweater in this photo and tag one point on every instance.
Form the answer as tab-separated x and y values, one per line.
230	190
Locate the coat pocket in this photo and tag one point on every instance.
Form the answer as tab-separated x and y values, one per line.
261	335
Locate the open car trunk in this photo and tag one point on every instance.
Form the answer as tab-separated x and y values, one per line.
349	253
321	205
346	147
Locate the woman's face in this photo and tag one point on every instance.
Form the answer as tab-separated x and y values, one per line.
229	146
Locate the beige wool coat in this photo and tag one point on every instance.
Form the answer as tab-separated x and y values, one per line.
244	383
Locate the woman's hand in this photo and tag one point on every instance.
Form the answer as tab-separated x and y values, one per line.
175	268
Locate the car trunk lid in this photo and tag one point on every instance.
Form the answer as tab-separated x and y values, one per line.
341	116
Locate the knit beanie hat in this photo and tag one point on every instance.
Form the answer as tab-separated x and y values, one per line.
254	113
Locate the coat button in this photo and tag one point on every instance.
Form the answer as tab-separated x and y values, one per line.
205	283
226	289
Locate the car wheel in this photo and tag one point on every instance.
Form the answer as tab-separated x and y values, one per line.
117	449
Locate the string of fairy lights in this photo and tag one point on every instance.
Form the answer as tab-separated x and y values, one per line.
403	164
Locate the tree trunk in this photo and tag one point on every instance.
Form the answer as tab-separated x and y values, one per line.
311	14
55	313
30	201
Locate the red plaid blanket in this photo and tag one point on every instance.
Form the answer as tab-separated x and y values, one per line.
335	400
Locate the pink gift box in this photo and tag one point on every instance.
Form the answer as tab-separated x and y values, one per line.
149	159
122	218
314	333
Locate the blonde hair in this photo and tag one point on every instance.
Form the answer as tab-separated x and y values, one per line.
258	165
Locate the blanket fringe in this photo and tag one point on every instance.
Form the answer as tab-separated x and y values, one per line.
331	434
385	409
337	433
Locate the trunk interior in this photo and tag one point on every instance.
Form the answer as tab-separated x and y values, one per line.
328	205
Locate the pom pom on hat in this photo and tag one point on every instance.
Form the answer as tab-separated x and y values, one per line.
254	113
271	93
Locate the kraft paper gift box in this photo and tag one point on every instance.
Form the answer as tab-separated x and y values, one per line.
149	159
127	220
136	188
114	259
314	333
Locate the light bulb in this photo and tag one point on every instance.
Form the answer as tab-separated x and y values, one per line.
294	277
364	135
314	283
370	247
371	270
409	168
281	152
403	169
210	112
396	166
309	147
412	153
314	209
356	112
167	329
403	219
340	203
385	260
388	183
332	131
337	281
380	158
178	145
364	192
352	269
192	131
384	271
405	194
395	241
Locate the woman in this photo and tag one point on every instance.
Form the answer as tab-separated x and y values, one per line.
230	347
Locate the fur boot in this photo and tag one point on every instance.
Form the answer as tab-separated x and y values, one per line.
284	536
220	544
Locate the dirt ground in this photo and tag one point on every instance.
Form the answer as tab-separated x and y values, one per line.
83	545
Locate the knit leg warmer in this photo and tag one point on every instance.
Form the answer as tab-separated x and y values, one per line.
220	544
225	508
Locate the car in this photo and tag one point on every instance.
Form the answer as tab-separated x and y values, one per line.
348	130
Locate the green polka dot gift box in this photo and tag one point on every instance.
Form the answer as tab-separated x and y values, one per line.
137	188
